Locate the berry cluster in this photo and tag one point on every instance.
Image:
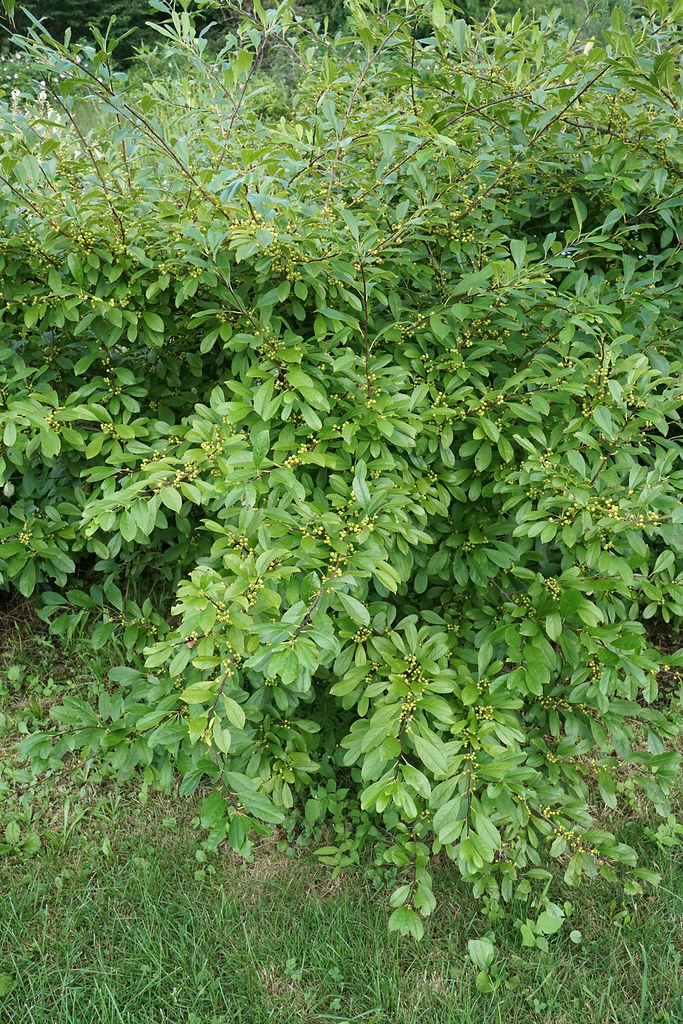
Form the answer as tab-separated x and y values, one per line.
481	330
222	613
633	401
455	230
560	704
353	529
312	531
573	839
188	473
53	423
137	623
408	706
598	390
412	676
282	263
253	591
213	447
595	666
296	460
111	380
241	543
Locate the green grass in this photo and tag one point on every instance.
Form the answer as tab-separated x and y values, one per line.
134	937
114	921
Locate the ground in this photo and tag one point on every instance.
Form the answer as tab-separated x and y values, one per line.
113	913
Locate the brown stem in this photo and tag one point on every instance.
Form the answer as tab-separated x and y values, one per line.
93	159
228	673
361	79
365	329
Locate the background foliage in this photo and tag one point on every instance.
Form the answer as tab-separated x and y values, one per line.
385	394
78	16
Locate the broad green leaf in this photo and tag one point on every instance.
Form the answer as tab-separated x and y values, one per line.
234	712
482	952
356	610
200	692
438	14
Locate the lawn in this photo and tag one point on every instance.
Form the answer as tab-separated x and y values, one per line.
121	917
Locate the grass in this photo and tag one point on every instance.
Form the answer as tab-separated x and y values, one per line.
132	936
119	918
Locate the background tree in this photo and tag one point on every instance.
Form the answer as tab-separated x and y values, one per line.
79	15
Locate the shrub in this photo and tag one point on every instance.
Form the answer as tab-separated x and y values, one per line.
386	396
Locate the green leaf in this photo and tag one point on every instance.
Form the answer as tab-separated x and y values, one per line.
50	445
12	833
460	35
7	981
263	396
602	417
8	439
449	820
234	712
171	499
200	692
483	457
664	561
27	580
486	829
312	811
549	924
128	526
607	788
483	982
576	461
221	738
213	809
362	492
407	922
482	953
153	321
430	751
356	610
553	625
518	250
260	443
438	14
255	802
